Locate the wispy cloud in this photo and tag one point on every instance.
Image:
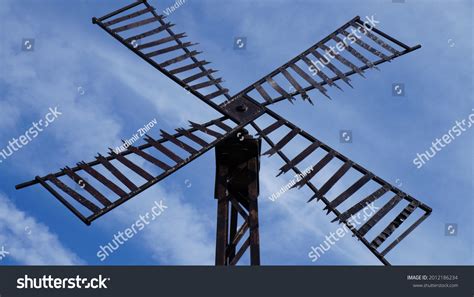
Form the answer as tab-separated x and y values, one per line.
30	242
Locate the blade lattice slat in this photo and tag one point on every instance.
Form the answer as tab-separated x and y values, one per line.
325	52
129	169
155	33
349	192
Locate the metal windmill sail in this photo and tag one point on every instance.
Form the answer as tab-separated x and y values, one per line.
109	181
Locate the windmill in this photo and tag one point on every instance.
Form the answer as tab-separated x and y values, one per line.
109	181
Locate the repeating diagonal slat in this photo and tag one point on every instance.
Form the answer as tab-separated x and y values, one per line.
164	150
199	75
320	73
354	52
392	226
309	79
362	204
333	68
366	46
149	157
119	175
404	234
295	84
263	93
180	58
343	60
216	94
134	167
86	186
288	137
193	137
178	142
206	84
300	157
380	214
105	181
271	128
168	49
149	33
352	189
128	16
78	197
188	67
279	89
315	169
205	130
375	38
161	41
135	25
222	125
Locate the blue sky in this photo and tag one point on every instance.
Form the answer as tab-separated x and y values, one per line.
119	93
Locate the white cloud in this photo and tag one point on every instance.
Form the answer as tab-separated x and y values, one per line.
180	236
30	242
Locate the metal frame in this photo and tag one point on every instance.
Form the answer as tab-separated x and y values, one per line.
242	109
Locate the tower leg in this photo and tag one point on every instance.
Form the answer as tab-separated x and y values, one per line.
236	191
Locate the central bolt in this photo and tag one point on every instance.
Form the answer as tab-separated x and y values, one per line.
242	108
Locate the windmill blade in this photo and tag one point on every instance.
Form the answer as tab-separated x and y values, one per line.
336	57
146	33
345	202
95	188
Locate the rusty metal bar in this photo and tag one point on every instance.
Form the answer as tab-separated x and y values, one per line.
134	25
310	80
78	197
206	84
149	33
343	158
180	133
279	89
193	137
392	226
295	59
323	199
241	251
105	181
169	49
119	175
199	75
333	180
134	167
179	59
209	76
320	73
61	199
360	205
406	47
380	214
118	11
315	169
188	67
352	189
165	151
128	17
165	72
161	41
178	142
86	186
332	67
375	38
284	141
405	234
300	157
365	67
